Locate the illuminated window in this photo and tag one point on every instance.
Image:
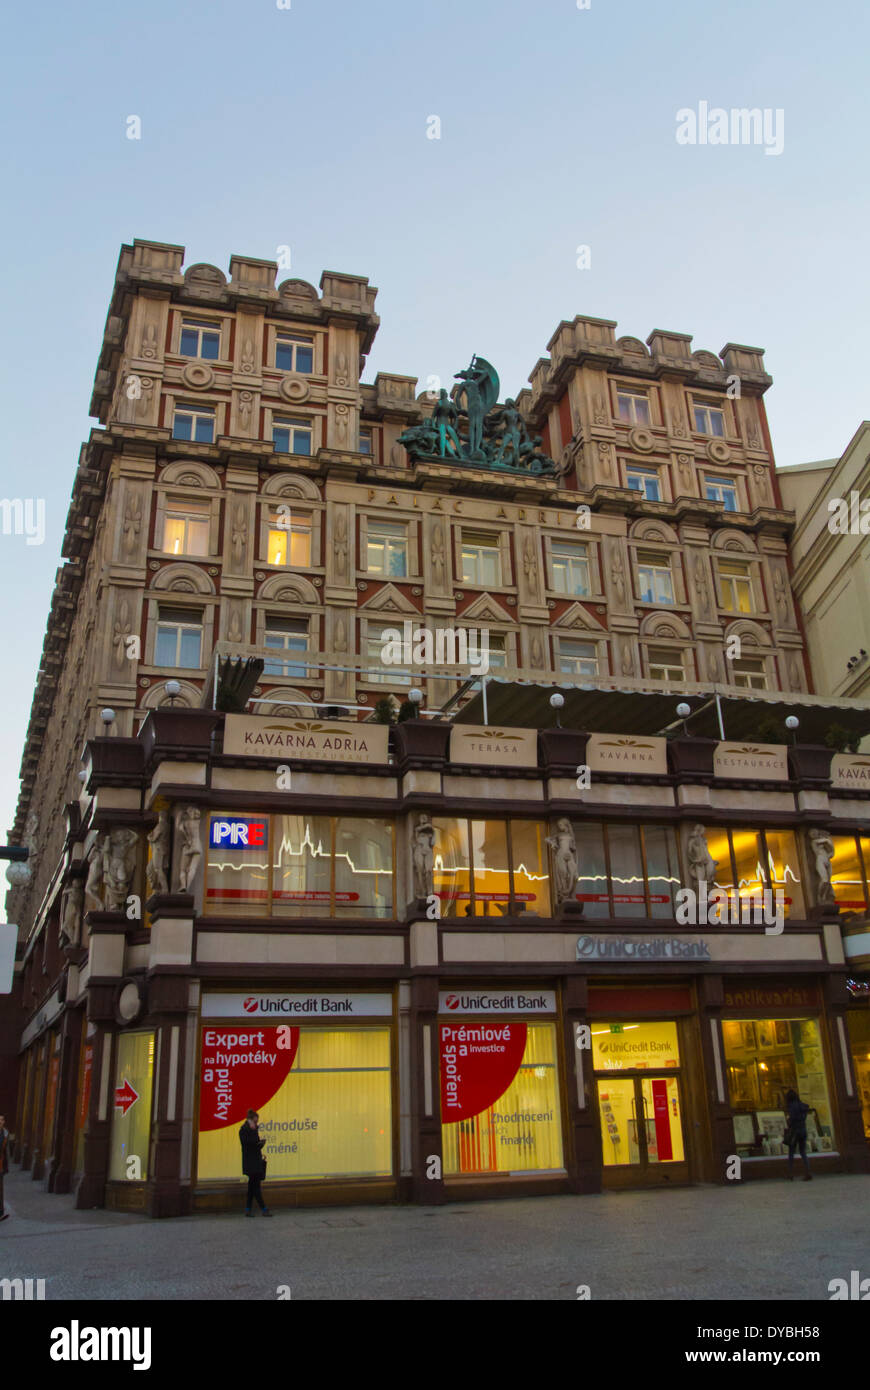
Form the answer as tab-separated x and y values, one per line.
481	562
186	528
491	868
654	580
569	562
292	437
578	658
722	490
131	1128
200	338
849	872
709	419
749	672
387	548
666	664
294	353
633	407
646	481
179	637
750	862
764	1059
735	586
194	423
289	635
289	538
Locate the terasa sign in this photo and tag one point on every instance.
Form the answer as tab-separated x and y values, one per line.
255	1005
243	832
516	1001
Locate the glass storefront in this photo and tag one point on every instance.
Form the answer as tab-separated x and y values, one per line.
323	1095
500	1107
849	867
50	1092
627	870
765	1058
131	1115
83	1098
750	861
641	1116
491	868
300	865
859	1037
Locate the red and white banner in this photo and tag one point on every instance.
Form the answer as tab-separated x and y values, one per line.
479	1061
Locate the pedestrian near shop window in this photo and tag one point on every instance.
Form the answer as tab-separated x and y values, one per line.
796	1132
4	1163
253	1162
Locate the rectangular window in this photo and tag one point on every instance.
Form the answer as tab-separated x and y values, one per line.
365	441
481	562
721	490
491	868
380	639
578	658
292	437
294	353
500	1111
324	1098
654	580
179	638
194	423
748	672
765	1058
289	538
665	664
186	527
131	1127
848	874
633	407
626	870
288	635
569	561
200	338
750	862
645	480
387	548
709	419
859	1039
735	586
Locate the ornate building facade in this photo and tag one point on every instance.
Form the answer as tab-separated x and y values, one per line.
618	527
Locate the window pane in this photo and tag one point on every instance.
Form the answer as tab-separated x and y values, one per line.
452	867
592	879
663	869
284	356
189	341
846	877
237	878
190	644
783	871
165	647
173	535
210	346
491	876
182	426
197	536
204	429
302	866
304	359
717	423
748	857
300	546
363	868
131	1130
720	850
530	866
626	871
302	442
765	1058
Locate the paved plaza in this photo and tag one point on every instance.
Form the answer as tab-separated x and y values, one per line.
765	1241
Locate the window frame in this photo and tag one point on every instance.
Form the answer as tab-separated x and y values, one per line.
633	396
562	654
174	509
649	475
581	556
705	407
196	412
728	582
480	548
199	326
180	627
282	338
653	661
289	670
506	823
373	524
293	424
714	481
659	564
273	528
641	827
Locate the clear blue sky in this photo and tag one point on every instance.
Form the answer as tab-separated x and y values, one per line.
307	127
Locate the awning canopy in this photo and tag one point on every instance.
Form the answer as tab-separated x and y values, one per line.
602	708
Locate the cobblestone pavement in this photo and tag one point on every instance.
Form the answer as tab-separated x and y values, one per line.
766	1241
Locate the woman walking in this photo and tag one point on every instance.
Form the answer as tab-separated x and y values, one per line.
253	1162
796	1133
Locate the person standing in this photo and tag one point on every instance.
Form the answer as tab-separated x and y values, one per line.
796	1134
253	1162
4	1163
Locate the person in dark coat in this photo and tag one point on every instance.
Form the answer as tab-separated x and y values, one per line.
253	1162
796	1111
4	1162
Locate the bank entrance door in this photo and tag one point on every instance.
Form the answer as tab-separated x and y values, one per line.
640	1104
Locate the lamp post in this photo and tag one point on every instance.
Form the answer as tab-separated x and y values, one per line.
18	872
684	710
557	702
793	724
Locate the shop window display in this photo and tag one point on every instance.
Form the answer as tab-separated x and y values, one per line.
491	868
765	1058
859	1036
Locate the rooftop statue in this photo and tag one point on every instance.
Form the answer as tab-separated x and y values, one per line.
471	428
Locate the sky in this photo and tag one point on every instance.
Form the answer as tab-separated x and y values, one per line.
309	126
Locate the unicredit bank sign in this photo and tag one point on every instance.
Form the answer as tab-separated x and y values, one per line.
487	1001
286	1006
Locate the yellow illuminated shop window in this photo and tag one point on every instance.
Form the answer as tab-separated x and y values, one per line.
131	1100
859	1036
499	1077
765	1058
491	868
636	1046
324	1102
847	877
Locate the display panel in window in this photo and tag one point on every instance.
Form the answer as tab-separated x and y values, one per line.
709	419
481	563
764	1059
654	580
337	866
237	874
289	538
178	641
186	528
294	353
387	548
491	868
633	407
569	563
200	338
645	481
194	423
292	436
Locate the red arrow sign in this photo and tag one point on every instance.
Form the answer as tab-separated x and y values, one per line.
125	1096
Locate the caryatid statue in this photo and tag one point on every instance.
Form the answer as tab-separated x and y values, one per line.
94	883
71	913
565	866
822	847
188	846
158	864
423	856
119	866
702	865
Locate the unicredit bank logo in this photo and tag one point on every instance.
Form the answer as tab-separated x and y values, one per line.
452	1001
251	1005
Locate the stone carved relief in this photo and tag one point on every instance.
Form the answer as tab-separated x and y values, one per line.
762	481
678	424
438	554
240	534
537	653
397	456
248	357
684	464
604	460
342	419
148	344
246	405
617	574
627	664
120	633
780	595
530	564
702	588
341	370
132	525
234	626
339	540
119	865
794	674
600	410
